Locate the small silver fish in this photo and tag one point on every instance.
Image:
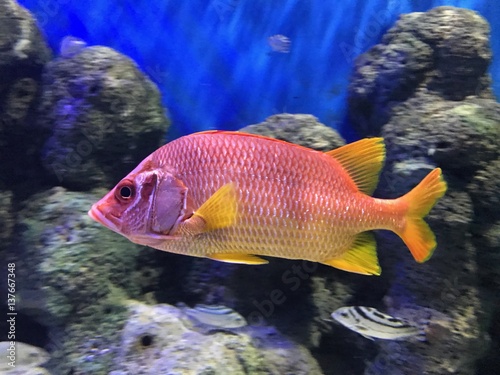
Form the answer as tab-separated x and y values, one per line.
71	45
18	357
207	318
280	43
371	323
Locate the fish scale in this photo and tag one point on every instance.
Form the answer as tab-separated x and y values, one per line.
232	196
285	180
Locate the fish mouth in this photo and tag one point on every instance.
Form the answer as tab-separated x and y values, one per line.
96	214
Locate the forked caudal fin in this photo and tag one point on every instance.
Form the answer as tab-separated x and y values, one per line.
416	234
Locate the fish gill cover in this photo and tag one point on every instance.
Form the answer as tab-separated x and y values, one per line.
213	63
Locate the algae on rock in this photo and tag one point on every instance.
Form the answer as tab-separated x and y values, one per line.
75	275
105	116
155	341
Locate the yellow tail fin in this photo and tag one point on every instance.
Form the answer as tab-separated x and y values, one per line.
416	234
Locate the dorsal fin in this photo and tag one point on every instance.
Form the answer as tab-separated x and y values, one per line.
363	160
250	135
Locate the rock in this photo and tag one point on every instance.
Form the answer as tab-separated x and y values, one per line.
154	340
73	276
463	142
21	358
484	190
59	251
304	130
445	50
23	53
487	238
448	285
105	117
28	371
459	39
458	136
436	110
6	218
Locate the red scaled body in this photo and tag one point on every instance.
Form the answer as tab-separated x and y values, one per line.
233	196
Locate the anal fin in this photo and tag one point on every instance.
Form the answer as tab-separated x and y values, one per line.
238	258
360	258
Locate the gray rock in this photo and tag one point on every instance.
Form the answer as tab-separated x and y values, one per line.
448	285
484	190
304	130
459	39
435	110
459	136
487	238
74	275
23	53
155	341
26	358
445	50
105	116
6	218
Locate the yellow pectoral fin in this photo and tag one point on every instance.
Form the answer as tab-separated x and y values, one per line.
219	211
238	258
360	258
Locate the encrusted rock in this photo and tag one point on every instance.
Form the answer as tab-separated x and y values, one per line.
105	115
485	191
304	130
458	136
6	217
425	89
445	50
23	53
155	341
73	276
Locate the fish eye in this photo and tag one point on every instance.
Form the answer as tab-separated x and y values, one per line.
125	192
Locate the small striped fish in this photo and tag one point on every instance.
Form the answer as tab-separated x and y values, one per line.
371	323
207	318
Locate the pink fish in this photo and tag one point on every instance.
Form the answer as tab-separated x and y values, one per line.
234	197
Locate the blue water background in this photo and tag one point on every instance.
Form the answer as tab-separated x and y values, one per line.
212	61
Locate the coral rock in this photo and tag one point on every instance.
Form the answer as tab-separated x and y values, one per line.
445	50
155	341
304	130
23	54
105	116
74	275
